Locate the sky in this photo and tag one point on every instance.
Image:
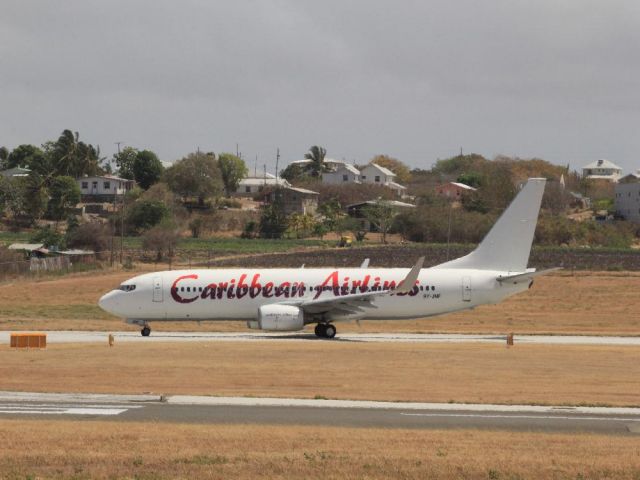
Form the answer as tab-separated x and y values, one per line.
415	79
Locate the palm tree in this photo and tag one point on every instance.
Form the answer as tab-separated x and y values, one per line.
316	155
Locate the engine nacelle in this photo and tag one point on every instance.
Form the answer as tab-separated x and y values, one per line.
280	318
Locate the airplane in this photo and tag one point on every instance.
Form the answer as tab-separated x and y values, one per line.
287	299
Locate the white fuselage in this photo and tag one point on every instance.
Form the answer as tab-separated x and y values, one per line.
237	294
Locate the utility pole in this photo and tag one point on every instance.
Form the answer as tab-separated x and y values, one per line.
118	144
277	161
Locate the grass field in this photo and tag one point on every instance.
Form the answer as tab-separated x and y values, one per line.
65	449
477	373
584	303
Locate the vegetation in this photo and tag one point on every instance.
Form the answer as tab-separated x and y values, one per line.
232	170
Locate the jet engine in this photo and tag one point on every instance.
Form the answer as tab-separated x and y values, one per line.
280	318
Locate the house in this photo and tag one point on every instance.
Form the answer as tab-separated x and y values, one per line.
453	190
602	170
357	210
15	172
251	185
295	200
378	175
103	188
342	174
627	198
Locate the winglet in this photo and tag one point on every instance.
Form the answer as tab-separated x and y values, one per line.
365	263
406	285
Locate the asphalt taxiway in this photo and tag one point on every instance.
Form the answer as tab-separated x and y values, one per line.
54	337
283	411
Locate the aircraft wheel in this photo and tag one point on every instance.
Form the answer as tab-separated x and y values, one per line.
146	331
329	331
320	330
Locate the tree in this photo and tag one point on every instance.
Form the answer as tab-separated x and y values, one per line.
64	194
316	154
69	156
294	172
124	160
145	214
4	155
147	168
301	224
161	239
196	175
35	197
28	156
473	179
273	221
49	237
380	215
232	169
403	174
12	197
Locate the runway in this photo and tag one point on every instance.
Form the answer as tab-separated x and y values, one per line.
56	337
282	411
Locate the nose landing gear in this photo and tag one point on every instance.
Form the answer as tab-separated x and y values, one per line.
325	330
146	331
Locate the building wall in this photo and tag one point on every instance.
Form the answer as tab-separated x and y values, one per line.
368	175
101	186
340	177
450	191
627	201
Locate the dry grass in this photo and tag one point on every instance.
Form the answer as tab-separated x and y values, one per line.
584	303
65	449
396	372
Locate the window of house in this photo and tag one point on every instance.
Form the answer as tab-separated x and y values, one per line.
345	178
377	179
107	185
94	184
85	185
247	189
364	177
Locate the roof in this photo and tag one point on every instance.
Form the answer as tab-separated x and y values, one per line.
106	177
251	181
382	169
302	190
75	251
346	166
16	172
26	246
394	203
462	185
602	164
396	186
326	160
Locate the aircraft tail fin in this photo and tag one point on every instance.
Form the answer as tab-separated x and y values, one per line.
508	244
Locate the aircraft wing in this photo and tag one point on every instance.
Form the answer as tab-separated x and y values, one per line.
525	277
356	302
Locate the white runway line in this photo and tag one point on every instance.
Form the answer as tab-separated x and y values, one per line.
56	337
528	417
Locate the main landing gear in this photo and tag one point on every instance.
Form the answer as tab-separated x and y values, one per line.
146	331
325	330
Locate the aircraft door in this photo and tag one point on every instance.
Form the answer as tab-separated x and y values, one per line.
466	289
157	289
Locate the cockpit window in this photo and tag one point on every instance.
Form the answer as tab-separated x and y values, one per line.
127	288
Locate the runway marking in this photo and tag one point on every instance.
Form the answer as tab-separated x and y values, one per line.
528	417
63	409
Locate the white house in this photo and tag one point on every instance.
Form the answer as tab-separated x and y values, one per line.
627	198
378	175
602	170
341	174
103	187
15	172
251	185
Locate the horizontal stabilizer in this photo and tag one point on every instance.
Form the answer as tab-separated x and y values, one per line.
525	277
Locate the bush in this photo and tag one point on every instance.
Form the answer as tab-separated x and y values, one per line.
91	236
161	239
49	238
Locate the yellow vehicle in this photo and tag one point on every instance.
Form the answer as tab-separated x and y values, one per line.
345	241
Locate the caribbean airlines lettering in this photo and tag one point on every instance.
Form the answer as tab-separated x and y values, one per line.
238	289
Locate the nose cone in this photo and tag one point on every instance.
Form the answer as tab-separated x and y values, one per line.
109	302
